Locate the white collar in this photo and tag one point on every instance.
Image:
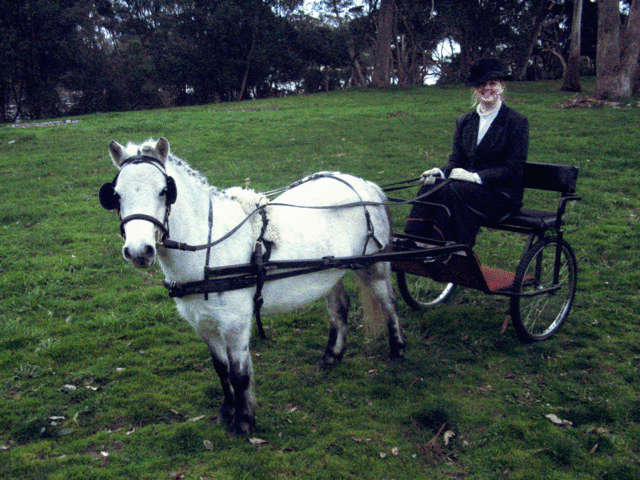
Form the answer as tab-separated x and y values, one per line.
490	113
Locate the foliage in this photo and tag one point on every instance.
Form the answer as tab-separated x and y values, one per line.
71	57
100	378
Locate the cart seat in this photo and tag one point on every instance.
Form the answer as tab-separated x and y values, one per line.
542	176
532	219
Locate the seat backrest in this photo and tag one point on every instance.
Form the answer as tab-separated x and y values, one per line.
548	176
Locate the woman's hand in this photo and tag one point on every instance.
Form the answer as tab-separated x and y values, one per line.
429	177
464	175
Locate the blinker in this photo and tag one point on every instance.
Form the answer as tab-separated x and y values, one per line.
108	197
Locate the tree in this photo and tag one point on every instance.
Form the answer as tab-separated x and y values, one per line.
382	64
572	77
532	21
40	45
618	50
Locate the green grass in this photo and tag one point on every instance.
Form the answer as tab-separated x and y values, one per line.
100	378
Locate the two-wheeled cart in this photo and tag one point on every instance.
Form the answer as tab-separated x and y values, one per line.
542	287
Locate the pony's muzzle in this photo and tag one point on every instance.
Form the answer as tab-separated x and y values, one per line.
142	257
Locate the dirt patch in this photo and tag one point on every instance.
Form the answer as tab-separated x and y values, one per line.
57	123
580	101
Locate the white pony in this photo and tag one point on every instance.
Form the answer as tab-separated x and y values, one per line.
157	196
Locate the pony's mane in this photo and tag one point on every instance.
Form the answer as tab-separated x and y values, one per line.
191	173
176	162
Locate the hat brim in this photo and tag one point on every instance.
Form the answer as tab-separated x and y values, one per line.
477	81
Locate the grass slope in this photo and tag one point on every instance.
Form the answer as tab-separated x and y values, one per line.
100	378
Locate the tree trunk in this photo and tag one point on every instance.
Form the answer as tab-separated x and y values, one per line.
531	39
618	50
382	51
572	78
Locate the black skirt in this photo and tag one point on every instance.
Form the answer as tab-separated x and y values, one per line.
454	211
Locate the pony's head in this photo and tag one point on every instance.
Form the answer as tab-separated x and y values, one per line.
142	193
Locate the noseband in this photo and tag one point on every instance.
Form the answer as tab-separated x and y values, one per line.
110	200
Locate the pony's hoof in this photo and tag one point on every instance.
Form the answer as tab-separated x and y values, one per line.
327	362
241	428
225	417
396	358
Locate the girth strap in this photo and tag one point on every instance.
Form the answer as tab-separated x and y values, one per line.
261	253
208	256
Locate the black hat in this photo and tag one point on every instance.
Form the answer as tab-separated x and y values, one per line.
486	69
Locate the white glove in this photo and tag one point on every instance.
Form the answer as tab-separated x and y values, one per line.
429	177
462	174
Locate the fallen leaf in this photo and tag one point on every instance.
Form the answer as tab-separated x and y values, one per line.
448	435
505	324
257	442
558	421
416	380
207	444
488	388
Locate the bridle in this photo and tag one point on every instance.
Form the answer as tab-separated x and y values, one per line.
110	200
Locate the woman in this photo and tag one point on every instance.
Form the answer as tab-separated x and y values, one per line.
486	165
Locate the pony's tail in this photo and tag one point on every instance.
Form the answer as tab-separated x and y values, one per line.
374	320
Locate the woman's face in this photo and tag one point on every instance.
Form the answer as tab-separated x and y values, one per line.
489	91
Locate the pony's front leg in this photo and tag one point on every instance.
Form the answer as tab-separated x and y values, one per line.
338	306
241	377
228	405
229	347
236	333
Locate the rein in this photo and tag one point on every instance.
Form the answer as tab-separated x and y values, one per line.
262	248
172	244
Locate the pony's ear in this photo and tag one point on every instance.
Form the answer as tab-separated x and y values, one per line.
163	148
117	153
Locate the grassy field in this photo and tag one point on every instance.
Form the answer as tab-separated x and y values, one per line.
101	379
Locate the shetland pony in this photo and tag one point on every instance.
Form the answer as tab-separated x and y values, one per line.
157	195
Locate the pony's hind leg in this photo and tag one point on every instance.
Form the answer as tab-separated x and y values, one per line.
338	306
380	305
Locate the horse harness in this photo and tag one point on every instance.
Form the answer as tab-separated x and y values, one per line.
257	269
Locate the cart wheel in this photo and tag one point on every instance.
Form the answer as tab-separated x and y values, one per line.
538	317
422	293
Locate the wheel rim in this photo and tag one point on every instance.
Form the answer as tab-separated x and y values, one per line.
422	292
541	315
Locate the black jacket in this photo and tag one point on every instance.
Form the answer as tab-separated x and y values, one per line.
499	158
